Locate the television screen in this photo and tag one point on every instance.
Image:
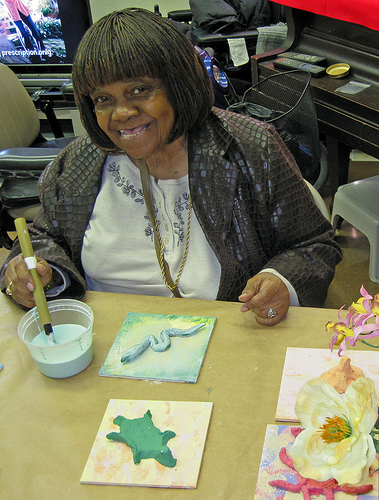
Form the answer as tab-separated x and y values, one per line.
41	32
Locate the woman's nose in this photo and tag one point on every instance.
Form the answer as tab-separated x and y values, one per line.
124	110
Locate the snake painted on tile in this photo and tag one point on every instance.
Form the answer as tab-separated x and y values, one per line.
158	345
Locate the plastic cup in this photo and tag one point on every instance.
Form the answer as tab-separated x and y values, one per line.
64	359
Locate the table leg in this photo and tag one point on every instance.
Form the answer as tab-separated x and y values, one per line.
338	160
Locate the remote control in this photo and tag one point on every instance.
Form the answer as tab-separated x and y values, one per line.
318	60
286	63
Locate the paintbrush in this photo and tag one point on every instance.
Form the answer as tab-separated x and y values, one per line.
31	263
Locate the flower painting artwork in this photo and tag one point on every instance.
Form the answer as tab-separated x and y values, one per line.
279	480
303	364
334	452
336	441
361	323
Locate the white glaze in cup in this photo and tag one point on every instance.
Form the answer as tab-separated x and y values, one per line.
63	359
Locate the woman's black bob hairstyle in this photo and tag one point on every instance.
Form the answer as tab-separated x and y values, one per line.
131	43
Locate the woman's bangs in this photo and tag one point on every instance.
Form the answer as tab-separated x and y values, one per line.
117	64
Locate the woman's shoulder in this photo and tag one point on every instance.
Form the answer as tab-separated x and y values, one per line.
80	148
223	128
80	158
80	152
238	121
247	130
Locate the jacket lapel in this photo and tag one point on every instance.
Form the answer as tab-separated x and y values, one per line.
213	175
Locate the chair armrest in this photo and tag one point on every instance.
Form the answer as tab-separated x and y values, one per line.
25	162
219	37
256	59
182	16
68	91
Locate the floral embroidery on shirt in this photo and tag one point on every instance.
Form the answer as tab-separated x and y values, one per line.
125	185
181	203
149	231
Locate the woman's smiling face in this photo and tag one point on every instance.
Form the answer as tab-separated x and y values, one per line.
135	114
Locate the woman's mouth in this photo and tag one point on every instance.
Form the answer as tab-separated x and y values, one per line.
132	132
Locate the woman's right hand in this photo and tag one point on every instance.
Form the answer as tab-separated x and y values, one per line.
22	283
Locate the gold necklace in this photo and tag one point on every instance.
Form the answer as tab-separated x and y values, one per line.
161	259
158	243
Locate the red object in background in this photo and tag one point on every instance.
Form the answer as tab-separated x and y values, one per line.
364	12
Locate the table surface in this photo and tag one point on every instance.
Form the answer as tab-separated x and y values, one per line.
48	426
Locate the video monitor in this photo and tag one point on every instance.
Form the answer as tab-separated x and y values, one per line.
38	34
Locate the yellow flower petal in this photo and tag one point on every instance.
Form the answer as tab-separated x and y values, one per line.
329	325
340	327
358	306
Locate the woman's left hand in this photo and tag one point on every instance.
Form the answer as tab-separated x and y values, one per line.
266	295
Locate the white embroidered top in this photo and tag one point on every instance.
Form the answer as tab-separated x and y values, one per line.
118	253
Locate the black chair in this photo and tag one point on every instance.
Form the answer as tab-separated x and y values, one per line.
24	152
219	40
285	100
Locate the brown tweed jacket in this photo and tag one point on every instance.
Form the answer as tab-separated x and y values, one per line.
248	195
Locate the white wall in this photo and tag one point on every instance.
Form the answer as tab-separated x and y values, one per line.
99	8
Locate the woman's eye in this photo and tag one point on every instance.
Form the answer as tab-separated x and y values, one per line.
99	100
140	90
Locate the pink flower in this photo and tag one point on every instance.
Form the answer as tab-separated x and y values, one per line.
361	322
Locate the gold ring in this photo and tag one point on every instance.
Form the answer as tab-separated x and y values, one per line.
8	290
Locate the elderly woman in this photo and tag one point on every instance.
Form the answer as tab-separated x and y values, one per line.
167	196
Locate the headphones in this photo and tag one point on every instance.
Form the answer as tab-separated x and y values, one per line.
224	92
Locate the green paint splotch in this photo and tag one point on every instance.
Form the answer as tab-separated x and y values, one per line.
144	439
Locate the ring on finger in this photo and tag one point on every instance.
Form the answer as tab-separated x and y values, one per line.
8	290
271	313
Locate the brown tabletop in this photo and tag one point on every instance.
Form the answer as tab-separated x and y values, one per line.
48	426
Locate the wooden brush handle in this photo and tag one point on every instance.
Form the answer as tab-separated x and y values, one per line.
28	254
